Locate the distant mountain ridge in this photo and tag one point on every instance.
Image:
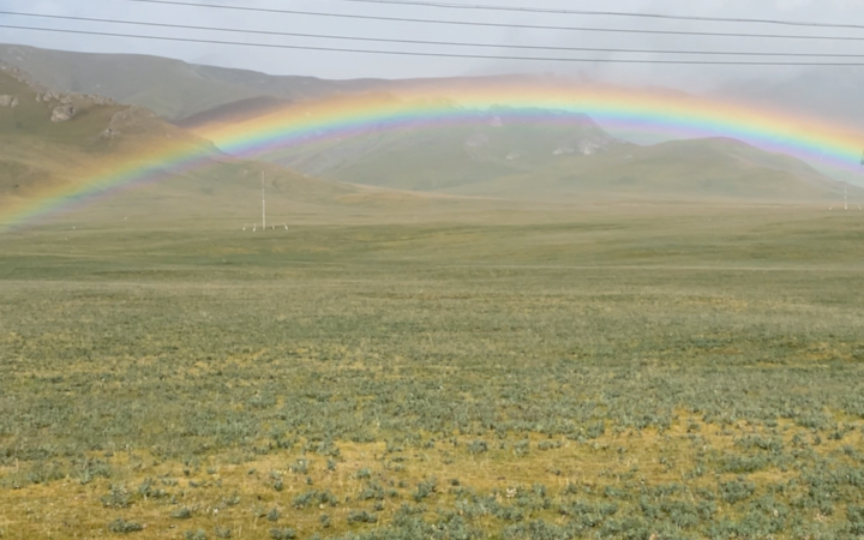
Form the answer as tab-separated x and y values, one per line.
177	90
186	94
488	153
173	89
540	163
522	153
832	93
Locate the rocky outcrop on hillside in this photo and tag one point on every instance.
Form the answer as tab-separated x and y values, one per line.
91	122
60	106
66	99
555	133
583	147
63	113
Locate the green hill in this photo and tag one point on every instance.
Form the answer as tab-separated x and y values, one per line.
689	169
51	142
47	139
484	146
498	154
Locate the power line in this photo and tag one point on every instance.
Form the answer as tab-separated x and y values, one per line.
513	9
430	54
497	25
436	43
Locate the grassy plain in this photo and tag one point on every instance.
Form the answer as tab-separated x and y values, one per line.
627	371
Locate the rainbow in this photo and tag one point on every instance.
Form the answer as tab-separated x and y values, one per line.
150	163
674	115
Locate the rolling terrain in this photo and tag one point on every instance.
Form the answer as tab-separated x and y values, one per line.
63	143
495	153
488	158
48	138
696	169
485	147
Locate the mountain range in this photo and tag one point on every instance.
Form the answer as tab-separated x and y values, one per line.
172	89
64	115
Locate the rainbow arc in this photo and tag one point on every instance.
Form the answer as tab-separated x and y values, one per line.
662	112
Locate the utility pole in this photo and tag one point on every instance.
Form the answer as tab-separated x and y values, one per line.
263	205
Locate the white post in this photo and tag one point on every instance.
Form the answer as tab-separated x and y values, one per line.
263	210
846	197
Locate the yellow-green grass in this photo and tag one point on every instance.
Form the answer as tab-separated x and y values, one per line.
226	491
678	371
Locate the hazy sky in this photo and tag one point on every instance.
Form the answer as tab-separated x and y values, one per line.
350	65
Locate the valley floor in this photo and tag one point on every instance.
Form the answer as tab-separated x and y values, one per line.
620	373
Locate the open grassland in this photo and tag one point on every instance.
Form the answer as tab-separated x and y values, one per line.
625	373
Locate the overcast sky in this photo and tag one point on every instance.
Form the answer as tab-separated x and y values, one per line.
352	65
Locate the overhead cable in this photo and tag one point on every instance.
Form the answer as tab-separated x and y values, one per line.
429	54
436	43
494	24
629	14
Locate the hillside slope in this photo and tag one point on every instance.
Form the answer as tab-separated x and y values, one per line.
60	144
172	89
531	154
678	170
478	146
49	138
